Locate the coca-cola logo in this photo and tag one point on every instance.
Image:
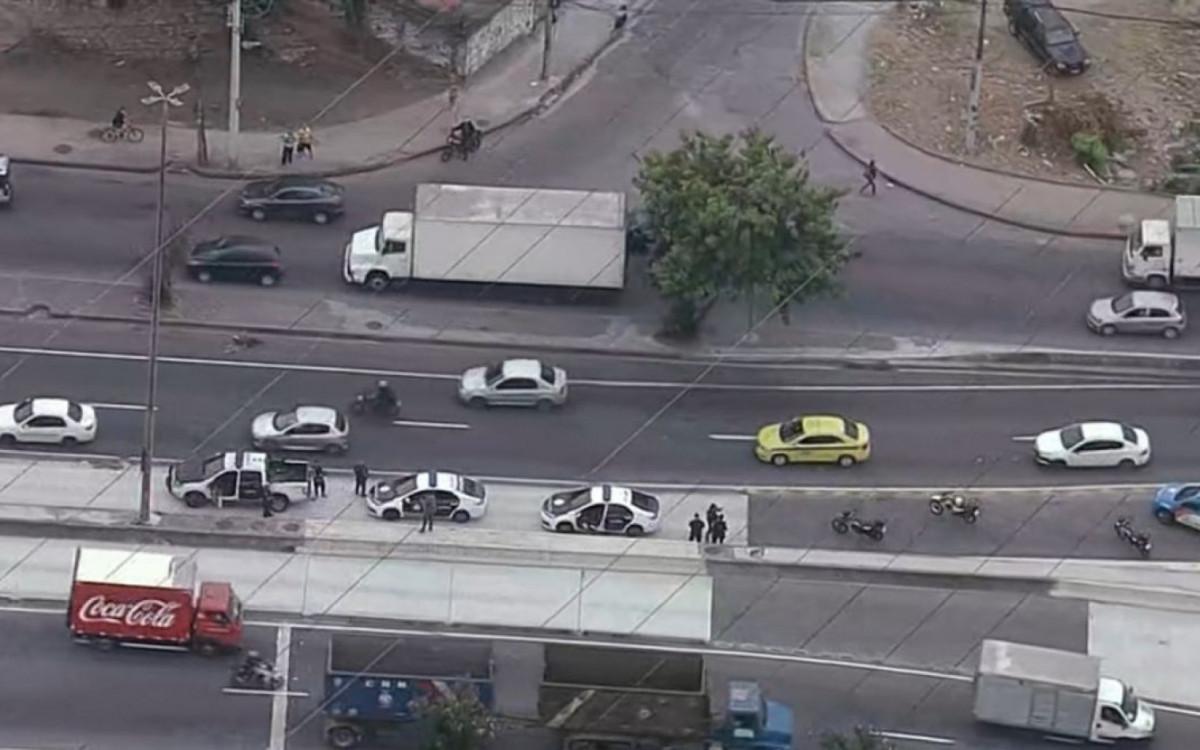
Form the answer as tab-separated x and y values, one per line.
147	613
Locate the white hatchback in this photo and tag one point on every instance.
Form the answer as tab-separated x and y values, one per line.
47	420
1093	445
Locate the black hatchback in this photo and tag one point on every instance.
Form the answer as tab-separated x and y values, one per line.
292	197
1048	35
236	258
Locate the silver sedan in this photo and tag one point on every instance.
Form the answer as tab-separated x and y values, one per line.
514	382
1157	313
304	428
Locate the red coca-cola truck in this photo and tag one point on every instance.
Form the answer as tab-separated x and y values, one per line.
150	599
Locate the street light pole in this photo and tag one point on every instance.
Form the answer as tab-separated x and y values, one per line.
166	100
976	80
235	81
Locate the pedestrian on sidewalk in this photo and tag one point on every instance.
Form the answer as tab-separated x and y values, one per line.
361	473
304	141
869	174
266	505
289	147
428	510
696	529
622	17
318	480
719	529
711	515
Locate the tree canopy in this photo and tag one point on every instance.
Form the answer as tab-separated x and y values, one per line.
732	217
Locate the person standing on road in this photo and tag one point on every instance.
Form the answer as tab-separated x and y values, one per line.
289	146
711	515
318	480
428	511
869	175
304	141
361	473
696	529
719	529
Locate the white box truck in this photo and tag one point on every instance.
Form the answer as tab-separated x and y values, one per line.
1058	693
495	235
1160	253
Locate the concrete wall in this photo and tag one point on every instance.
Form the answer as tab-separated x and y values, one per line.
159	29
510	23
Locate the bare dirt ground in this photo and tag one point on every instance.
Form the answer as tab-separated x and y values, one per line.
318	62
921	68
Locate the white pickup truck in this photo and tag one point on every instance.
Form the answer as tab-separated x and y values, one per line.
240	477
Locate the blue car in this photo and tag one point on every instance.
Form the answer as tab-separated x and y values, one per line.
1178	503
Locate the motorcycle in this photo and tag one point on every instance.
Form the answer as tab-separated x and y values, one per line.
257	675
369	402
956	505
462	146
1126	533
849	521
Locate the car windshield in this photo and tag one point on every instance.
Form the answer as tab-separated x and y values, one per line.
1071	436
472	487
340	422
74	411
1058	36
284	419
648	503
1129	702
1130	435
1123	303
548	374
404	485
213	464
570	498
493	372
23	411
851	429
789	430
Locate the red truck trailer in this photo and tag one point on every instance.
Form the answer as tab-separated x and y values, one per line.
150	599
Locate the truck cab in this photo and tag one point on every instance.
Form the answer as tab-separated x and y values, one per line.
240	477
754	723
1121	715
377	255
218	616
1160	255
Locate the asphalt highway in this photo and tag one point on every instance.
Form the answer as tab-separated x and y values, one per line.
928	430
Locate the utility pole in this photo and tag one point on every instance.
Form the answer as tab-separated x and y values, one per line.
235	79
167	100
976	80
547	37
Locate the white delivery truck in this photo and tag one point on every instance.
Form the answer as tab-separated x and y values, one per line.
1161	253
495	235
1058	693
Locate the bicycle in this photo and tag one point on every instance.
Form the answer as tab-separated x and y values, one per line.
128	133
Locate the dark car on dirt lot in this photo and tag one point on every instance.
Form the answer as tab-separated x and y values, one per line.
1048	35
236	258
293	197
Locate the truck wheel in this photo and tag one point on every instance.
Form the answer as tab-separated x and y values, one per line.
342	736
1157	282
460	516
278	503
195	499
377	281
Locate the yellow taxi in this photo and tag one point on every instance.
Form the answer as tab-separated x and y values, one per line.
816	438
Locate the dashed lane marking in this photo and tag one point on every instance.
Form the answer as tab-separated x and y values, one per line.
432	425
732	438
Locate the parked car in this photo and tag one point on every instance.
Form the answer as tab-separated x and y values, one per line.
303	428
1048	35
816	438
47	420
1178	503
602	509
1093	445
1159	313
458	498
6	186
292	197
236	258
514	382
240	477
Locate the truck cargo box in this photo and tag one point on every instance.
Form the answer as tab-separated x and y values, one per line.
1036	688
573	238
385	679
598	691
132	595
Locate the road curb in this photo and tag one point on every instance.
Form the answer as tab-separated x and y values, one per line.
830	132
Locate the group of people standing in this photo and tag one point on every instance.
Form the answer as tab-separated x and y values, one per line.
711	529
299	141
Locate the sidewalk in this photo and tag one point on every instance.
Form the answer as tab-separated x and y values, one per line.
836	68
504	93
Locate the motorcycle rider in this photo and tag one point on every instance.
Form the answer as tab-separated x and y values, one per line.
385	397
119	119
256	668
465	136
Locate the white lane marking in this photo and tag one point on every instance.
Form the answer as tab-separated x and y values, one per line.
275	694
434	425
1173	709
928	738
117	407
732	438
279	704
648	384
1024	438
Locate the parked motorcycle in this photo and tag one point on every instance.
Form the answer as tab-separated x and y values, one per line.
1139	540
369	402
849	521
956	505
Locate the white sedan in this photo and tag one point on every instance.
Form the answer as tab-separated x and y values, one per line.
602	509
1093	445
454	496
47	420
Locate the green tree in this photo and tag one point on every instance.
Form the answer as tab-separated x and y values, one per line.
735	217
860	739
459	722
